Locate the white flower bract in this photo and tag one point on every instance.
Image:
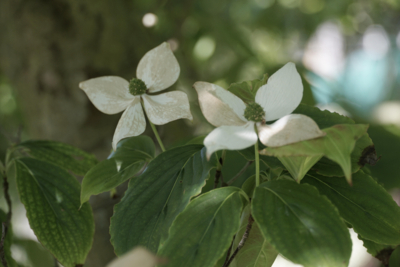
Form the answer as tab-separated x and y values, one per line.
278	98
158	69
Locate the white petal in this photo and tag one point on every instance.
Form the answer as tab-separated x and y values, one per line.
158	68
219	106
161	109
282	93
289	129
109	94
131	123
231	138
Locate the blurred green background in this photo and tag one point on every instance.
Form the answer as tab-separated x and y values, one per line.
348	53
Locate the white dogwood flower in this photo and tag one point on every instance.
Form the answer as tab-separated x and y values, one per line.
157	70
237	123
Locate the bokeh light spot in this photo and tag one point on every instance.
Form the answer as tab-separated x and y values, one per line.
204	48
149	20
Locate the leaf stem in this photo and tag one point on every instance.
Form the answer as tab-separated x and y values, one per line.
242	241
157	136
4	227
257	160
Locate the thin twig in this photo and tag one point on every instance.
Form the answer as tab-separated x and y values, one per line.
218	175
5	224
231	181
228	254
242	241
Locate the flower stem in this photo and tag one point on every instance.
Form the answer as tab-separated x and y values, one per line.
157	136
257	160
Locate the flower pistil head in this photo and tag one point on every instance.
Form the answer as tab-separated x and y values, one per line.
254	112
137	87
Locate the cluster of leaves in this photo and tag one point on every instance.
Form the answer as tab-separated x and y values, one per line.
311	193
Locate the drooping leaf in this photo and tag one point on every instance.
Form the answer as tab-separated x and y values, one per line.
247	90
301	224
256	252
298	166
325	119
131	156
51	198
61	154
337	145
7	241
203	231
365	205
155	198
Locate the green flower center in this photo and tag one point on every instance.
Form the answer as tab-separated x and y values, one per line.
254	112
137	87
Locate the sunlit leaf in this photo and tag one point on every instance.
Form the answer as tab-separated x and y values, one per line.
203	231
298	166
337	145
325	119
131	156
365	205
61	154
301	224
156	197
51	198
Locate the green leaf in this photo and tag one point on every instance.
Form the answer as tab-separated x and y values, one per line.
199	140
375	249
131	156
51	198
298	166
63	155
155	198
7	241
365	205
301	224
387	143
247	90
256	252
36	254
394	260
325	119
337	145
203	231
250	184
